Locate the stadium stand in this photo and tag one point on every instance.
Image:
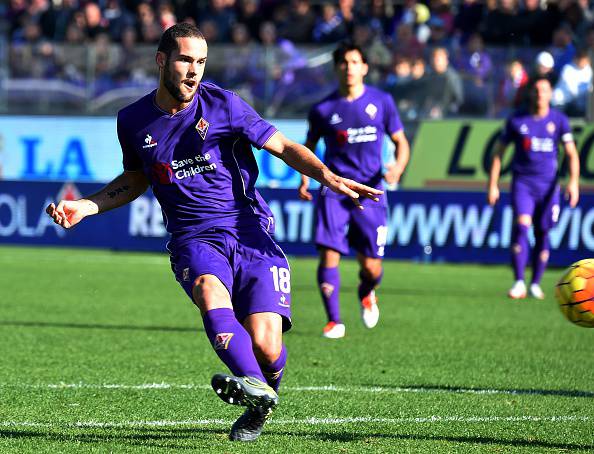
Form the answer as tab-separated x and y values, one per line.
94	56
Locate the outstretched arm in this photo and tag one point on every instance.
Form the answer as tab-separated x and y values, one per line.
572	192
120	191
493	186
306	162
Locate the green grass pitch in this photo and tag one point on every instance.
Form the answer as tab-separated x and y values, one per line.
103	352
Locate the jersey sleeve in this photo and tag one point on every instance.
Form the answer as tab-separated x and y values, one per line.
565	129
131	160
314	121
392	122
247	124
507	133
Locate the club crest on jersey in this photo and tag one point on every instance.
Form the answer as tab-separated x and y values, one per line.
371	110
222	340
202	127
149	142
551	127
335	119
523	129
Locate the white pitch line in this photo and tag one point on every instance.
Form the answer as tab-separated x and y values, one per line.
320	389
312	421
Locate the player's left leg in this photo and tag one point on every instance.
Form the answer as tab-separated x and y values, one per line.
370	275
545	217
368	235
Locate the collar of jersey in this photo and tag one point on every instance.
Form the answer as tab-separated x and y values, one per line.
179	114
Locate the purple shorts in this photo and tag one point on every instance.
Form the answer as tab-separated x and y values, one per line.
248	262
536	199
340	225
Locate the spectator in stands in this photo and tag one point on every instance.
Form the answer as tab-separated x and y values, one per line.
149	30
400	74
512	89
475	61
222	15
562	48
468	19
118	19
536	22
443	86
378	55
418	68
75	31
167	16
574	85
302	20
499	27
438	34
346	10
330	28
380	17
406	43
94	20
248	14
442	9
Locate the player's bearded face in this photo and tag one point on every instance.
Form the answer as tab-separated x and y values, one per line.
184	69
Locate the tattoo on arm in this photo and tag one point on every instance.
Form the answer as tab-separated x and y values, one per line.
116	191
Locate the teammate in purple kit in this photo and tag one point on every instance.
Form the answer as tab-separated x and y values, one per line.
191	142
352	121
535	133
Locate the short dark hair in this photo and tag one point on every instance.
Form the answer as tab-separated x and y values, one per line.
347	46
168	42
535	79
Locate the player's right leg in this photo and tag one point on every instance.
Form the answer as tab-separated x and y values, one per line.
523	206
202	268
332	216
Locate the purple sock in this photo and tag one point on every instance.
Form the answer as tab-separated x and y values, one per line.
231	342
519	250
274	372
368	283
329	284
540	254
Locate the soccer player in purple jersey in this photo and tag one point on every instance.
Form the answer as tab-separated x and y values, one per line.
191	142
353	121
535	133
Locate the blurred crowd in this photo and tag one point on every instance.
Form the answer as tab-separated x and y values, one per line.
438	57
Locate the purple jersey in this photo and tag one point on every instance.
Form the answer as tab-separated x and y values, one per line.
536	143
353	132
199	161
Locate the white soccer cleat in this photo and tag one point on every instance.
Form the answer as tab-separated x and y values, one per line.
536	292
518	290
334	330
369	310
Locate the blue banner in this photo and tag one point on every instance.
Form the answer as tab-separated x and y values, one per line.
422	225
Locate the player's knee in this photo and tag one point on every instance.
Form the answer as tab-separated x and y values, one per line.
524	219
207	294
544	256
267	348
371	270
516	248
